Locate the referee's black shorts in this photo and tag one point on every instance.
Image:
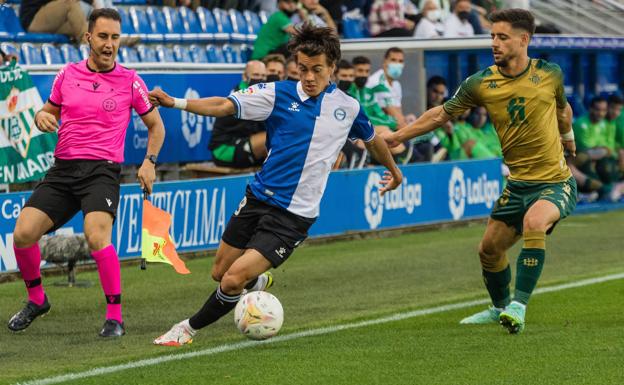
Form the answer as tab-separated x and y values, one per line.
74	185
272	231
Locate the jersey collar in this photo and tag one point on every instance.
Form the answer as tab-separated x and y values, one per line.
520	74
303	96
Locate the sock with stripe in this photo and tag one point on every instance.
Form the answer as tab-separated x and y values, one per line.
110	278
217	305
29	260
497	285
529	265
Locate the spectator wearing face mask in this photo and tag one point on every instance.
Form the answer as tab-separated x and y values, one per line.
240	143
390	96
429	25
458	23
275	67
274	34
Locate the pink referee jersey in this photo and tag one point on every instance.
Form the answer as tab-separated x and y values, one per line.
95	110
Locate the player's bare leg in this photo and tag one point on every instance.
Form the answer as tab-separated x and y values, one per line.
31	225
226	256
538	219
98	227
498	238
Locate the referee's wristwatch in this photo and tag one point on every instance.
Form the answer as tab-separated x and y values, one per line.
151	158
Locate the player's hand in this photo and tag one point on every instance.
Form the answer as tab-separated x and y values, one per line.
390	181
46	122
570	147
158	97
147	176
388	136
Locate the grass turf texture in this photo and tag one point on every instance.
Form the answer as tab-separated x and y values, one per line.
572	335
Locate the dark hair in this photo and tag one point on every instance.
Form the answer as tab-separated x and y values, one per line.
343	65
107	13
615	99
518	18
435	80
277	57
314	41
360	60
391	50
595	100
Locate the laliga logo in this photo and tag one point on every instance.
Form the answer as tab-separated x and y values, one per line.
191	123
464	191
406	196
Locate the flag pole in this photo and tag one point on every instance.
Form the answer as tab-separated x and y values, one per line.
143	262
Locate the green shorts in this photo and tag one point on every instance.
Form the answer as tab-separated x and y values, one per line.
518	197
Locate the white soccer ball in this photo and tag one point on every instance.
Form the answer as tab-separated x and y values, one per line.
259	315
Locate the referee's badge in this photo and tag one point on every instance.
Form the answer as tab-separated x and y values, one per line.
340	114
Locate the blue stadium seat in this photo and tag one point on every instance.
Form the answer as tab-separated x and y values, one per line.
159	24
191	24
215	55
182	53
209	25
10	25
174	24
127	26
129	55
263	16
245	52
142	26
31	54
232	54
355	28
70	53
198	54
9	48
239	24
147	54
253	21
164	54
224	25
84	51
51	54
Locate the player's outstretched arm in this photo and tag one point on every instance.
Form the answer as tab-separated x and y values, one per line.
430	120
214	106
155	138
46	119
564	120
380	151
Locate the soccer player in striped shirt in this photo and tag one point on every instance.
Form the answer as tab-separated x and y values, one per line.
93	99
307	124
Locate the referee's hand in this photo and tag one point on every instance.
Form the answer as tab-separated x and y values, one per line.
46	122
147	175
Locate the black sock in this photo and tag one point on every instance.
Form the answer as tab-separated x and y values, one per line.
251	284
217	305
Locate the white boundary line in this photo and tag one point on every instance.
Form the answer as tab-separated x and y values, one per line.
308	333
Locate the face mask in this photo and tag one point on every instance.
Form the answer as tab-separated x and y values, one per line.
254	81
360	81
395	70
272	78
292	79
344	85
434	15
464	15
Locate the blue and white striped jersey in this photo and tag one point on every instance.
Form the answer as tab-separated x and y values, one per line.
304	137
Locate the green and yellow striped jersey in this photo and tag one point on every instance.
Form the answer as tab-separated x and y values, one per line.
523	110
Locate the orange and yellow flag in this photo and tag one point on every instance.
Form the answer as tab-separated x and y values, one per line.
156	243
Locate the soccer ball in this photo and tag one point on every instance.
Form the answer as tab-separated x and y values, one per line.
259	315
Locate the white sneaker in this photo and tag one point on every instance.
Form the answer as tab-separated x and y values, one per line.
180	334
265	281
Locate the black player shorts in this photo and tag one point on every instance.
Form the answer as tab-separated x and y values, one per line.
272	231
74	185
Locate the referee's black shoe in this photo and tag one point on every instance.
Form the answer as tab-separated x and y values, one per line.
112	328
22	319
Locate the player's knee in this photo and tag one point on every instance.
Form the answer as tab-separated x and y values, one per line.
97	241
24	235
534	223
490	256
216	273
233	282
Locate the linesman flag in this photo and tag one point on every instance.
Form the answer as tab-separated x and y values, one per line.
156	244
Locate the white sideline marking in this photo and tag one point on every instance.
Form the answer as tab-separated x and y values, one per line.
314	332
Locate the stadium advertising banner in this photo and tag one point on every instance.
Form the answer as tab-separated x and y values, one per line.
201	208
187	134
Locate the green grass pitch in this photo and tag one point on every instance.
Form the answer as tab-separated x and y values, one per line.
573	336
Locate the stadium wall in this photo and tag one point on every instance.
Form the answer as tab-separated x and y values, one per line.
430	193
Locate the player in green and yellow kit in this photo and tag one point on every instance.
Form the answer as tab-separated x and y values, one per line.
527	106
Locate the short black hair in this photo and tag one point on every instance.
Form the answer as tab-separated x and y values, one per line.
314	41
615	99
391	50
360	60
343	65
517	17
435	80
107	13
597	99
